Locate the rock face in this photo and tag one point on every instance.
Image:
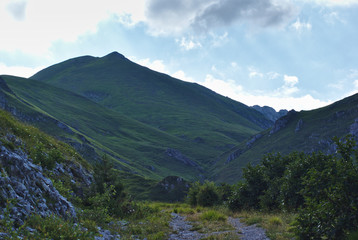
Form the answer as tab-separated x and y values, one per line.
234	155
282	122
354	129
180	157
270	113
253	140
33	192
299	126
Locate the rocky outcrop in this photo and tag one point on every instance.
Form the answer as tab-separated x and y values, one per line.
270	113
282	122
253	140
299	126
234	155
176	154
32	191
353	129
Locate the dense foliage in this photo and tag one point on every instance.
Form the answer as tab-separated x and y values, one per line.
205	194
322	188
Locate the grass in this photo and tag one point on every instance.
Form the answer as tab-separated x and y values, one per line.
277	225
319	124
213	221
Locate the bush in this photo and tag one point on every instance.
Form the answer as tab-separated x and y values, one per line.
205	195
331	196
192	193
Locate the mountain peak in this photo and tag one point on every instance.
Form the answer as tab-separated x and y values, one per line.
115	55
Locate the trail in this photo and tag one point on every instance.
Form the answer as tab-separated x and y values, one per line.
248	232
182	230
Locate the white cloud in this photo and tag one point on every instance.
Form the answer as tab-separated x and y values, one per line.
290	81
219	40
18	70
272	75
335	2
156	65
202	16
289	86
333	17
188	44
301	26
235	91
226	88
159	66
182	76
43	22
254	73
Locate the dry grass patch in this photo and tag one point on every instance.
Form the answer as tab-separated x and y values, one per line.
277	225
209	221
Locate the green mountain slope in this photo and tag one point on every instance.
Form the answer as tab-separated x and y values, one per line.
306	131
183	109
136	147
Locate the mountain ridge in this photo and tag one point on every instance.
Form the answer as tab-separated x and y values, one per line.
192	124
306	131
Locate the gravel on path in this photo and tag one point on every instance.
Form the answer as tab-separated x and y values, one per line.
251	232
182	230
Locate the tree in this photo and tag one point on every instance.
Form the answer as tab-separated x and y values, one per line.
331	195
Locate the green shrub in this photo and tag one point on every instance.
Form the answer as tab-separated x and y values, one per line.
207	195
192	193
56	228
331	196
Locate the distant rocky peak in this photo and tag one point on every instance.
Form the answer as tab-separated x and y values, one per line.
269	112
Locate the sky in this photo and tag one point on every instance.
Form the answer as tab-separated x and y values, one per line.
286	54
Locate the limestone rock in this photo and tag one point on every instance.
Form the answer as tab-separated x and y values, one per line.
32	191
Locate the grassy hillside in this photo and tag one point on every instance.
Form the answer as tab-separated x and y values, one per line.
136	147
183	109
306	131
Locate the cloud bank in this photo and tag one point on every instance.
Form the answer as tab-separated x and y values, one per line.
176	16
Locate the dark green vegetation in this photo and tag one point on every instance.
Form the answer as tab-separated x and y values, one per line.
148	123
323	189
306	131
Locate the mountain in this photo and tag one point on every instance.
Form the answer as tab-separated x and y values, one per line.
307	131
150	124
270	113
183	109
95	130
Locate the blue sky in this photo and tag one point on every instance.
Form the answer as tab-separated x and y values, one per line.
298	54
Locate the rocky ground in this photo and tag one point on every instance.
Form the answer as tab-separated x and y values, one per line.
182	230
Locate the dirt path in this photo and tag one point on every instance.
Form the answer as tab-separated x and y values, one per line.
181	230
248	232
